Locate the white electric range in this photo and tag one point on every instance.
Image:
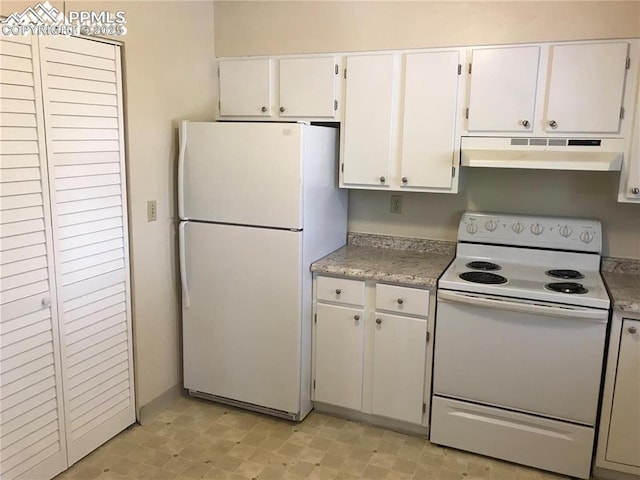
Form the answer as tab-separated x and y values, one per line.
521	322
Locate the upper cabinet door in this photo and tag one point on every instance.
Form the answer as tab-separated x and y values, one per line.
368	119
245	87
430	99
503	89
308	87
586	86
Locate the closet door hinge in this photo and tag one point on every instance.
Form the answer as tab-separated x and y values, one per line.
459	69
469	68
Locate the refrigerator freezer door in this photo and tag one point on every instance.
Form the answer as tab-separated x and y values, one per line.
241	331
242	173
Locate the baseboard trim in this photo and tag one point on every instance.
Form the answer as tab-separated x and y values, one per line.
147	412
606	474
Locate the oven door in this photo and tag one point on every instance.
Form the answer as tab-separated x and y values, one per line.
522	355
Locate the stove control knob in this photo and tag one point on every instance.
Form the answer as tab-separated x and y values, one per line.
517	227
565	231
490	225
537	229
586	237
472	228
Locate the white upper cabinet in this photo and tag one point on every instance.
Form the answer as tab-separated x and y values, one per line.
245	87
269	88
400	120
503	89
307	87
586	85
429	119
547	89
630	177
366	131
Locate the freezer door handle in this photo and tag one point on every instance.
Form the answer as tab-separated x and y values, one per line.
186	302
524	307
181	155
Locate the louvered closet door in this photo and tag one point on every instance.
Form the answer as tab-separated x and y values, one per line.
83	120
32	443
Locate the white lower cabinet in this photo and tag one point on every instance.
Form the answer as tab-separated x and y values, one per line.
619	436
372	356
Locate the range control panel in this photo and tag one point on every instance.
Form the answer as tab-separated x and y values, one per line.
572	234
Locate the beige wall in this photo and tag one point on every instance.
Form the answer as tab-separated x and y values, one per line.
169	74
275	27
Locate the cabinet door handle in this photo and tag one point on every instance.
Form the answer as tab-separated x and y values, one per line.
338	291
379	321
400	301
635	190
525	123
553	124
356	317
281	109
632	330
405	180
382	179
45	302
263	109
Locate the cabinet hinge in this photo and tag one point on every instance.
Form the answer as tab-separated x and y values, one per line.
342	167
469	68
428	336
314	384
345	73
315	318
621	112
337	70
335	104
424	408
459	69
453	174
628	63
219	107
466	113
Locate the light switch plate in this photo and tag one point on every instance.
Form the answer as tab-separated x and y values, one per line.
152	211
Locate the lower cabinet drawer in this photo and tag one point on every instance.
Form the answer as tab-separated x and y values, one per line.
516	437
409	301
340	290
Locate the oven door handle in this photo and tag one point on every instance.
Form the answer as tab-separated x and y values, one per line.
594	315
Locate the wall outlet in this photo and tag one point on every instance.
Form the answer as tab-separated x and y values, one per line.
152	211
396	204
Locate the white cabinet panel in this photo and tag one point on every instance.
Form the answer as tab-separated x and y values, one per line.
368	117
403	300
503	89
586	86
90	238
245	88
33	430
340	290
429	119
307	87
339	344
624	426
399	358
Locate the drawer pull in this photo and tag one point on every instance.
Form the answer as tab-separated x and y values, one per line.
400	301
379	321
356	317
632	330
338	291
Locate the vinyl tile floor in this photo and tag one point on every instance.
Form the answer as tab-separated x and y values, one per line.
195	439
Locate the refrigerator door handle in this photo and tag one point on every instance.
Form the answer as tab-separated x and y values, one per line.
186	301
181	155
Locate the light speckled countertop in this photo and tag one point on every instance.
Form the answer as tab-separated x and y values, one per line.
370	258
421	262
622	277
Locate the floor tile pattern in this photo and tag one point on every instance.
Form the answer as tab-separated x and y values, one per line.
195	439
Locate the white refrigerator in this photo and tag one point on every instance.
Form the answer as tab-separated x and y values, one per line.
258	203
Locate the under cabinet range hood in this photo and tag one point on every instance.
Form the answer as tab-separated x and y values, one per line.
587	154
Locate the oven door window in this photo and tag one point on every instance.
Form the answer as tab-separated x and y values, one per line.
520	356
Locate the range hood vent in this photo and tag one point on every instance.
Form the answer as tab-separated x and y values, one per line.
587	154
